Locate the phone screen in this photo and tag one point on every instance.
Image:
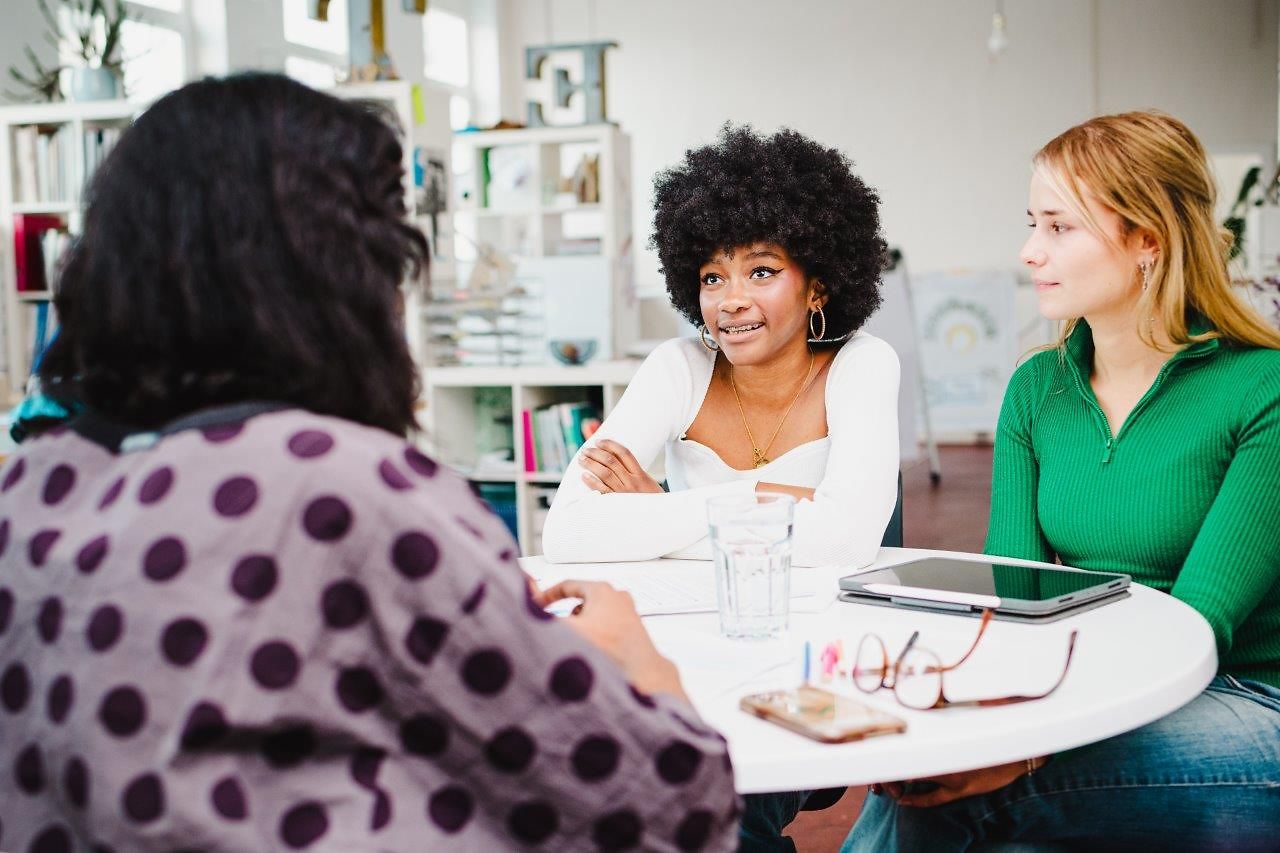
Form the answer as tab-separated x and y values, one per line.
821	714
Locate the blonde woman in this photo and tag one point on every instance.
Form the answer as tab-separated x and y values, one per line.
1147	442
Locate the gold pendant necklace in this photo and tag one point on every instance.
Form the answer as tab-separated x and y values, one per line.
758	457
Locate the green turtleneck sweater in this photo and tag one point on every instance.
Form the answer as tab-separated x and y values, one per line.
1186	498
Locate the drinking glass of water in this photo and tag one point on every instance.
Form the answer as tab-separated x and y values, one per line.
751	545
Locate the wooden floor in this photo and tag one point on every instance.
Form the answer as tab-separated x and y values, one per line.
951	515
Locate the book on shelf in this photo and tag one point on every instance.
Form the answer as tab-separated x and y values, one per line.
42	164
553	434
44	328
97	142
39	241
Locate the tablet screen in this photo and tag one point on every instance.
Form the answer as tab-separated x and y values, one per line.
979	578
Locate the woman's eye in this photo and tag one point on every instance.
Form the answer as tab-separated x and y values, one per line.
711	278
763	272
1058	228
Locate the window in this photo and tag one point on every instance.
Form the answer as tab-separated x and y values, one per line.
446	48
311	72
153	44
301	30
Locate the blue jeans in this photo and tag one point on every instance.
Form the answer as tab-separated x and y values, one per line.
1206	777
764	816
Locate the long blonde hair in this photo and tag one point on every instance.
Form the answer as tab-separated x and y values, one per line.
1151	170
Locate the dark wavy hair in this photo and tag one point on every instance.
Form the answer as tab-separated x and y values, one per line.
785	189
245	240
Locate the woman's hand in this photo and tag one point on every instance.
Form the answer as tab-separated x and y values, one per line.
610	467
607	618
955	786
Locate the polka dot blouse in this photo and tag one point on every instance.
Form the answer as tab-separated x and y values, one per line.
297	633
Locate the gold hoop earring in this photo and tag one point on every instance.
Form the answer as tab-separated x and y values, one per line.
819	334
1146	275
704	335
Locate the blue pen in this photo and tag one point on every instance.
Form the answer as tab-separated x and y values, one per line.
806	661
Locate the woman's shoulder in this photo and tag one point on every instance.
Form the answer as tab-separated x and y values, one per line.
681	354
867	352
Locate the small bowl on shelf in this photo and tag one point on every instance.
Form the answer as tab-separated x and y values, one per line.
573	351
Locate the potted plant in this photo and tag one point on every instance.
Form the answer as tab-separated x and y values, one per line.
87	35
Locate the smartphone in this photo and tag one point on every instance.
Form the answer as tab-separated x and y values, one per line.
821	714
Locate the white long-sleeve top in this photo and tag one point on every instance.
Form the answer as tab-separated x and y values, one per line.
853	469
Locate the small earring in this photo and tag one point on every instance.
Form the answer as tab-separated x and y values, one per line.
1146	275
815	336
704	335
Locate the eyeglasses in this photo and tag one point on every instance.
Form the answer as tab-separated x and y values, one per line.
915	677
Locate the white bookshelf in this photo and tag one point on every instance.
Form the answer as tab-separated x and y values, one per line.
572	251
453	424
74	121
422	111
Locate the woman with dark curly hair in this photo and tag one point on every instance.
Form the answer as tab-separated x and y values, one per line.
771	246
238	611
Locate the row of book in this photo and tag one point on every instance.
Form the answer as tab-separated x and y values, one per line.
39	242
553	434
43	160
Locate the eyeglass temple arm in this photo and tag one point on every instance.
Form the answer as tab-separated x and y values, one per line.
987	616
1009	700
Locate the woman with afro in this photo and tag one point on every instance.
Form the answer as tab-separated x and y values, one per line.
771	246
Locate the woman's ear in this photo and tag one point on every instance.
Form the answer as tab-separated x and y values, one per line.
817	295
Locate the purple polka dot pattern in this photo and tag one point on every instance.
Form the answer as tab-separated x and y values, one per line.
425	638
506	555
486	672
510	750
15	688
58	484
106	624
358	689
28	770
164	559
678	762
571	680
49	619
254	577
220	433
143	799
618	830
235	497
40	545
415	555
75	781
303	825
310	444
111	494
420	462
392	476
344	604
228	799
533	823
13	475
424	735
381	810
327	519
275	665
643	698
450	808
365	764
536	610
58	699
205	726
123	711
4	536
182	641
92	554
595	758
156	485
289	746
52	839
694	830
6	609
472	601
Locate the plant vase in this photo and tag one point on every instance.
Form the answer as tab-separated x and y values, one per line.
94	84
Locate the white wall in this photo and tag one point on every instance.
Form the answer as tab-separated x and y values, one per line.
909	92
22	25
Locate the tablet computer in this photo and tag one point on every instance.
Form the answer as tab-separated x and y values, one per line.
1040	591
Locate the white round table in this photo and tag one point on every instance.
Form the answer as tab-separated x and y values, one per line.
1135	661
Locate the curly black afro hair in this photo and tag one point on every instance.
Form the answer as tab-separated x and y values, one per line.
784	189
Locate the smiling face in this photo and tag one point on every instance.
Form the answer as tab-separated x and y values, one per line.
1078	272
756	302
